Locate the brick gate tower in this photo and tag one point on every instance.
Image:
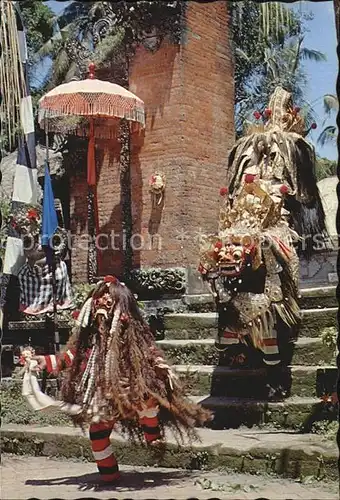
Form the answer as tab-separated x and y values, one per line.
188	91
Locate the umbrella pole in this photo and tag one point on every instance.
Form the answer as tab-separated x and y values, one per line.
52	267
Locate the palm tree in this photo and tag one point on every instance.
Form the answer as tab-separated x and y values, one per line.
103	31
77	41
269	50
282	66
329	133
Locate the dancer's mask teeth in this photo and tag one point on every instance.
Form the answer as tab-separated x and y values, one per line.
102	312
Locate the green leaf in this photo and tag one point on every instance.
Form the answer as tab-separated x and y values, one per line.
328	135
312	55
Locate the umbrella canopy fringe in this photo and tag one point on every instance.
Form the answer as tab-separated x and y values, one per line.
64	108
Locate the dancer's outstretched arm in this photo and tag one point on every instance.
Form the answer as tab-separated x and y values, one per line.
54	363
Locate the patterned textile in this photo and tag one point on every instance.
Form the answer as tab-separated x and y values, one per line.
25	190
36	292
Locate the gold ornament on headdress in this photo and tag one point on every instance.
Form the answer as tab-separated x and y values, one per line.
281	115
242	222
252	210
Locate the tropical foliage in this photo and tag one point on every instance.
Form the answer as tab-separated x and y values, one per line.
39	22
325	168
329	133
103	33
268	41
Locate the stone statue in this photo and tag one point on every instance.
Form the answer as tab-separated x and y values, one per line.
250	266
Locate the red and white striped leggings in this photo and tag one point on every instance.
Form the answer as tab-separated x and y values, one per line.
100	442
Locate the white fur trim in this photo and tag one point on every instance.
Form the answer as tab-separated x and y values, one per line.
84	315
115	320
101	455
70	355
53	362
150	413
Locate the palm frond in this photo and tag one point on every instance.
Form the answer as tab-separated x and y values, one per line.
241	53
108	47
328	135
312	55
60	68
48	48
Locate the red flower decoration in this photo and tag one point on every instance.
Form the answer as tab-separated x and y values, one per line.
284	189
32	213
313	126
153	179
218	245
249	178
124	318
257	115
75	314
224	191
296	109
267	112
22	361
110	279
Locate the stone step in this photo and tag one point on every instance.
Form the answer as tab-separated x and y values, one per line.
307	351
304	381
204	325
243	450
309	298
318	297
293	413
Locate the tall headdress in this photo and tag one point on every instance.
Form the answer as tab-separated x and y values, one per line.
281	115
276	149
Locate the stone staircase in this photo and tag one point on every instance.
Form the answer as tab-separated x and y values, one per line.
188	342
277	439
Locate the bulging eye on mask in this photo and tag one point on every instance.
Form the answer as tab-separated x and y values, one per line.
233	256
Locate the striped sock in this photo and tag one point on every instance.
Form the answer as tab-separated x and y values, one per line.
151	429
102	451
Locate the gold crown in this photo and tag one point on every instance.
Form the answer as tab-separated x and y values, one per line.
242	221
253	210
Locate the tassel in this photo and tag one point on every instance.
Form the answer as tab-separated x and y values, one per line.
84	315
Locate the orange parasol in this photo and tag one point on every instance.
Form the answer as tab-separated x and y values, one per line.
90	108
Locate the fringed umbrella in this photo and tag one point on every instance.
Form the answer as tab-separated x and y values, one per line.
90	108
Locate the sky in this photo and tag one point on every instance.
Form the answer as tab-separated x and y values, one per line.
322	76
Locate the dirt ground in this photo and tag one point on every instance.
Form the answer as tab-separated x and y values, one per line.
24	477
